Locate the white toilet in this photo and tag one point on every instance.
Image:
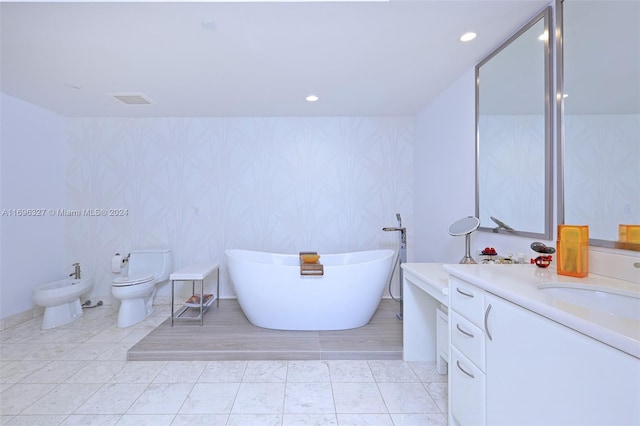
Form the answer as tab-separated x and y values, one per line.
61	300
137	287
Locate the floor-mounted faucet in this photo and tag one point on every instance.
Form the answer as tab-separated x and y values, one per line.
402	256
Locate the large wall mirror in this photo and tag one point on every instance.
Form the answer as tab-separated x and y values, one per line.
514	170
600	138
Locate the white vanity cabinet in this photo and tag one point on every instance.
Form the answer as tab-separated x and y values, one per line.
541	372
511	366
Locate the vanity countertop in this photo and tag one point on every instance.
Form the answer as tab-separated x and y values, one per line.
519	284
435	280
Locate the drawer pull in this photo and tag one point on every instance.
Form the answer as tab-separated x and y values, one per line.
465	371
464	293
466	333
486	320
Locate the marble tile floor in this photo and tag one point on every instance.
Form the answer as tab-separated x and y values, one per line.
78	375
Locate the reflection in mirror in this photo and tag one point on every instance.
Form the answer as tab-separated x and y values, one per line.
514	130
601	119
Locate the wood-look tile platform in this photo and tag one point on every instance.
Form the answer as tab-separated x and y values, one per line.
227	335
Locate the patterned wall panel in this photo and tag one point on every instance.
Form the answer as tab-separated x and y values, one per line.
202	185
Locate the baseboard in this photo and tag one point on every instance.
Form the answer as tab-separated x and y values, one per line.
17	319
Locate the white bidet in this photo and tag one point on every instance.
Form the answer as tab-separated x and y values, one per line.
61	300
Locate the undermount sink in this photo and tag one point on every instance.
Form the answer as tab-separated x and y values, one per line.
619	303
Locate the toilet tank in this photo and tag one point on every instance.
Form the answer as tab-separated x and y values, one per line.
158	262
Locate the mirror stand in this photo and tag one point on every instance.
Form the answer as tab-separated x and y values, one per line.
467	259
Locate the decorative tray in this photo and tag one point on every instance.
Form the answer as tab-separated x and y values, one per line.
194	301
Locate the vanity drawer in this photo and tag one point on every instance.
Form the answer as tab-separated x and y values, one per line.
468	339
467	391
467	300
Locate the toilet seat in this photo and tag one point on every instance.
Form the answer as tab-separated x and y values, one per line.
132	280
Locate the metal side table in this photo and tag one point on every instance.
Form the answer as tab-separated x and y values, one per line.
197	272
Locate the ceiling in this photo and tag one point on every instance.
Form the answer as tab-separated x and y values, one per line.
249	58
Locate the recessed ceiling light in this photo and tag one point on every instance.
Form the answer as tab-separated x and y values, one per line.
468	36
312	98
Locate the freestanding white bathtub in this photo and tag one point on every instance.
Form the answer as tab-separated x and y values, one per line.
273	294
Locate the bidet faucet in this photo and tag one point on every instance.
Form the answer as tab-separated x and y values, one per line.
76	271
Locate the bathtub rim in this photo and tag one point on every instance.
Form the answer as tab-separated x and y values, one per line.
271	255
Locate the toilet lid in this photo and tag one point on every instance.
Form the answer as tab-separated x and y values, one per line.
132	280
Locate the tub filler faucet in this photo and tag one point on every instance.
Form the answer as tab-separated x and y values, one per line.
402	258
76	271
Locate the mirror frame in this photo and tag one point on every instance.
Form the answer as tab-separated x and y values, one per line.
544	16
559	45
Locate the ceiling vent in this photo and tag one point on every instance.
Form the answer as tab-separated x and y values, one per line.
131	98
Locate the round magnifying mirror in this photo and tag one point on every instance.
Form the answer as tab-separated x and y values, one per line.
464	226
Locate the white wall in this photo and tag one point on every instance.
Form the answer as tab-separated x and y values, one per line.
202	185
33	159
444	187
444	171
